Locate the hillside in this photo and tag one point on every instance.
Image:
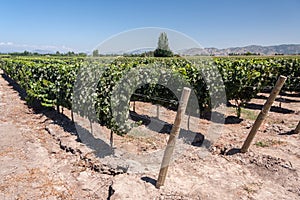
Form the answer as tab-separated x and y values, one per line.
287	49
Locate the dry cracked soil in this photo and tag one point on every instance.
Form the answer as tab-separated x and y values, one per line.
42	157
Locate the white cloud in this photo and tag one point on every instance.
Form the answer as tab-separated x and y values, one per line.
5	43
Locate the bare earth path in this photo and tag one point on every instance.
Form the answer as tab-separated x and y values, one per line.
39	165
33	166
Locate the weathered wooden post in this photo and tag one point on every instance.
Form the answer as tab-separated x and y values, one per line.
57	108
72	116
133	106
263	113
111	138
172	138
297	130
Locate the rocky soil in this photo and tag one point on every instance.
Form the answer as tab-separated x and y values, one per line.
42	157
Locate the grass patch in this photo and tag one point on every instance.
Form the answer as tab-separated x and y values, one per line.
261	144
269	142
248	114
245	113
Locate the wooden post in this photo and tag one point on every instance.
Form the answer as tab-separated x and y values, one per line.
172	138
72	116
91	126
297	130
111	138
133	106
263	113
189	119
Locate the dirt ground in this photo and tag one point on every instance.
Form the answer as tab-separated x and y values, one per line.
42	158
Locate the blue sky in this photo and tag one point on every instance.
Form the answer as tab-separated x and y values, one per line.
81	25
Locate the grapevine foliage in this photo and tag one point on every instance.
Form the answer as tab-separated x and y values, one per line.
52	80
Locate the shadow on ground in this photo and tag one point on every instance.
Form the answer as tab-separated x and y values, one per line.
276	109
292	132
101	148
148	179
157	125
233	151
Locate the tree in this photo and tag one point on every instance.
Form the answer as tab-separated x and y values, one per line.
82	54
163	49
96	53
163	42
70	53
26	53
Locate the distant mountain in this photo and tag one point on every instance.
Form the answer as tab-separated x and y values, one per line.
286	49
129	52
43	51
140	51
9	47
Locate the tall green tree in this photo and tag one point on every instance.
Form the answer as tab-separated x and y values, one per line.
163	49
163	42
96	53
